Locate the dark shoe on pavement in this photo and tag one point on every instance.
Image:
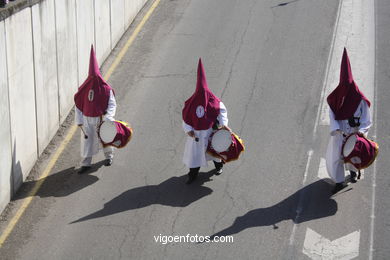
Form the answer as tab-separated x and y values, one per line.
218	167
353	177
338	187
218	171
191	179
108	162
84	169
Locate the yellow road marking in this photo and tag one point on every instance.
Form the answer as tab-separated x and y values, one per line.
26	202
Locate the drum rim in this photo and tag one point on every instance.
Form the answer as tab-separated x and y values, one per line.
219	132
345	143
130	136
217	155
104	127
376	151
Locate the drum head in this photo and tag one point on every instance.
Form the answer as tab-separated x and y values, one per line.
349	145
221	141
107	131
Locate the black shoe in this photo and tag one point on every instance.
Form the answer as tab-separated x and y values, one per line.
108	162
84	169
191	179
192	175
339	186
353	177
218	171
218	167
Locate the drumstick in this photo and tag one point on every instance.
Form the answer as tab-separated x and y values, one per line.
82	130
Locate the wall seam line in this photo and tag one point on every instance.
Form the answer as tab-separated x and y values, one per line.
94	26
77	43
111	47
12	188
58	80
35	81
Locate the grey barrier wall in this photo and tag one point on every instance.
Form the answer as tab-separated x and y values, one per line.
44	57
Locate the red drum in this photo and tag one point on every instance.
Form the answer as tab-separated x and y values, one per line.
225	145
359	151
114	133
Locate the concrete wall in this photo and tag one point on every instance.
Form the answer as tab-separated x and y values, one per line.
102	29
5	130
85	35
44	57
117	20
45	68
21	86
66	39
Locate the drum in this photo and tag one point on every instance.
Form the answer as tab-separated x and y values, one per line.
359	151
225	145
114	133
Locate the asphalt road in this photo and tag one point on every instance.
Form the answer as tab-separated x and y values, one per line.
267	61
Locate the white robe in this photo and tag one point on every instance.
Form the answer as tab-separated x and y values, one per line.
334	160
195	152
92	145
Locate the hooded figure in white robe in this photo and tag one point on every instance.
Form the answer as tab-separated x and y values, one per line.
201	112
95	101
349	113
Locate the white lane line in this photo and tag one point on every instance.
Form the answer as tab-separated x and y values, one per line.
373	196
356	32
353	30
310	152
300	203
319	247
320	113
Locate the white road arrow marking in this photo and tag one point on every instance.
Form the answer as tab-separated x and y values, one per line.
322	172
319	247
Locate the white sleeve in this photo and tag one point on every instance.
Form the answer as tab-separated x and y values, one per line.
222	117
187	128
334	124
111	108
365	118
78	116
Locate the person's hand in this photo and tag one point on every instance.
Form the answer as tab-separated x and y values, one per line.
191	134
336	132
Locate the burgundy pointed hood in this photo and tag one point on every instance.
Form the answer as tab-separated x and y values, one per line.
93	95
93	64
202	108
345	99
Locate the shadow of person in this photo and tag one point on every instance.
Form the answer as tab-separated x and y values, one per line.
59	184
171	192
311	202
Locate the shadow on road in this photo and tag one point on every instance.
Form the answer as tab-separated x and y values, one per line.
312	202
172	192
60	184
